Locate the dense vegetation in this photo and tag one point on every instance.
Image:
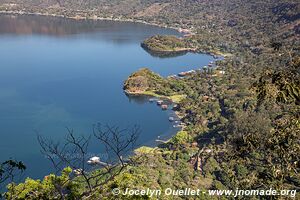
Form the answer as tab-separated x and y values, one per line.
243	127
165	43
145	81
252	133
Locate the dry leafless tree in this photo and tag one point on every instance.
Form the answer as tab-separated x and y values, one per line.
74	152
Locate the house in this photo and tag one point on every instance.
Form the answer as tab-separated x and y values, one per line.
221	72
205	98
182	74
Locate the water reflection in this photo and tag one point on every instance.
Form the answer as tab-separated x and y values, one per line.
139	99
90	29
162	54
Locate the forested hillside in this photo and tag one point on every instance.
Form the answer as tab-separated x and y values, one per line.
226	24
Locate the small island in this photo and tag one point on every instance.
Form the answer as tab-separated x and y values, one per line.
166	44
146	82
172	46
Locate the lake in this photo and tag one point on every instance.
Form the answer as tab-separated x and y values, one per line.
57	73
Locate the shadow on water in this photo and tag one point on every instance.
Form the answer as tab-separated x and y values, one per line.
139	99
161	54
142	99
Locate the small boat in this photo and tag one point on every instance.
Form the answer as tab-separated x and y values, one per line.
152	100
159	102
78	172
171	119
94	160
172	76
182	74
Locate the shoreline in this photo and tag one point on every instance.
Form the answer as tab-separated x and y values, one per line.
184	31
96	18
175	99
151	148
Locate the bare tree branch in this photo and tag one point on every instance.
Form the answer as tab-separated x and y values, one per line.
73	152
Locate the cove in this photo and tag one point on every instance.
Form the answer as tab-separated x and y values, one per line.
57	73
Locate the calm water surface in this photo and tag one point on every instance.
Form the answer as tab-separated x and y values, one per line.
58	73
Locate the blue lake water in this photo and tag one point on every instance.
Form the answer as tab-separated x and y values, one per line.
57	73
